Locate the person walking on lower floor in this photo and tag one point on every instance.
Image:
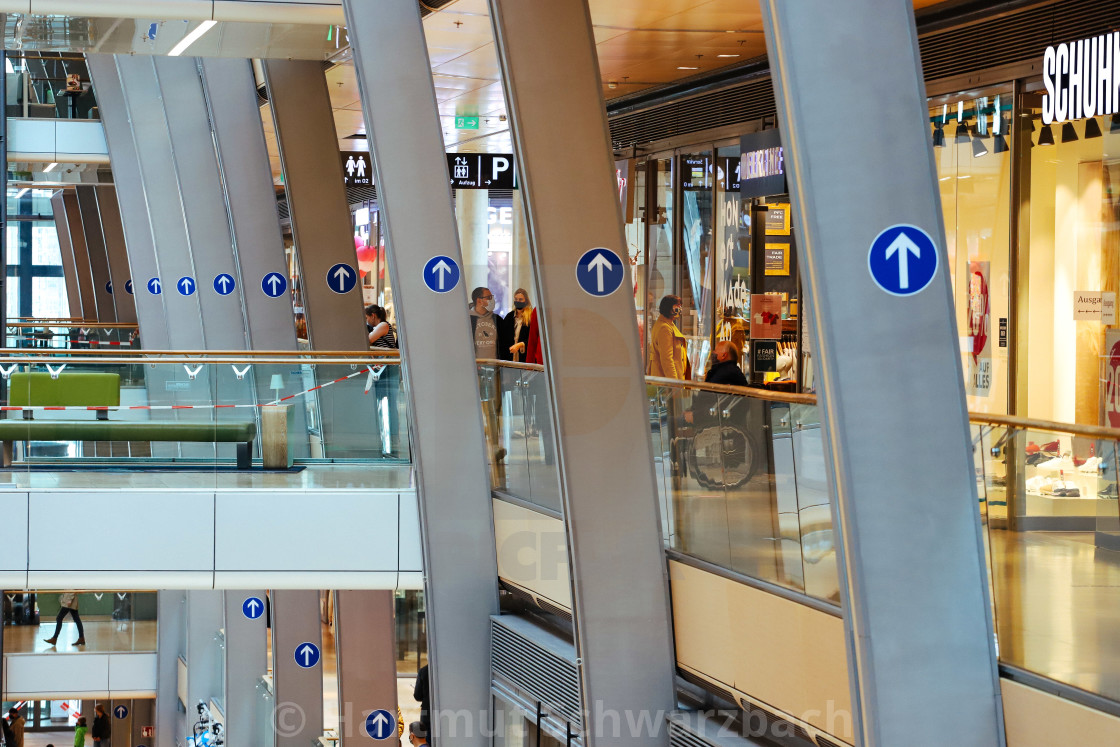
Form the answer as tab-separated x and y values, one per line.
13	734
68	605
101	728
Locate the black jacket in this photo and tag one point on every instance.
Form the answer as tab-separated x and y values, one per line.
510	323
727	372
100	727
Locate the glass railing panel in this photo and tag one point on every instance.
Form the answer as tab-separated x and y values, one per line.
509	412
489	388
110	621
662	463
814	505
540	440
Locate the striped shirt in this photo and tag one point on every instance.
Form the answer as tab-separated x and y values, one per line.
387	340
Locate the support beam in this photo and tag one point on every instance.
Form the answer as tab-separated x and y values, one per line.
914	582
66	248
298	690
601	415
113	231
246	658
86	198
364	637
172	616
82	266
449	454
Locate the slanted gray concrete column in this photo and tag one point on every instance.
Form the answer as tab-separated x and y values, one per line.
298	689
66	247
364	639
113	232
171	635
205	615
86	198
915	587
246	657
600	410
81	255
321	227
449	452
131	199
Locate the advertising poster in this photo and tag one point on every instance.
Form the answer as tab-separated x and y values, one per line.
1110	380
766	317
776	259
979	330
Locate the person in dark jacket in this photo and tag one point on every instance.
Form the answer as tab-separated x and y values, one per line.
422	693
726	368
517	324
101	729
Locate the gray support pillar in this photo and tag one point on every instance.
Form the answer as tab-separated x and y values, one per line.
250	199
205	615
298	690
620	594
308	143
144	105
449	453
131	199
69	269
203	203
86	198
246	662
113	232
364	640
916	594
81	256
171	633
143	714
120	729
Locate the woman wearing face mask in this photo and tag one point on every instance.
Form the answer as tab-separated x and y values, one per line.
517	324
488	330
668	351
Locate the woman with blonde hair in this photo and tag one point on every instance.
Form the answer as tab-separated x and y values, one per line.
517	324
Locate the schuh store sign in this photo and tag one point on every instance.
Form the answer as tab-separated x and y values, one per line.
1082	79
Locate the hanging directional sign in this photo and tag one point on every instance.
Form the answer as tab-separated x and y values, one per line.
154	287
252	608
341	278
274	284
185	285
600	272
109	287
381	724
121	711
128	286
441	274
357	169
307	655
481	170
224	284
902	260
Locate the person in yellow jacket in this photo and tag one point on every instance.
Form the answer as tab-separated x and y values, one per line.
668	349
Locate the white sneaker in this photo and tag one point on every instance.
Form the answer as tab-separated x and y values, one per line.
1091	465
1051	465
1038	484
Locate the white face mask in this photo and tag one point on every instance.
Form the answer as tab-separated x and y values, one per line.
488	305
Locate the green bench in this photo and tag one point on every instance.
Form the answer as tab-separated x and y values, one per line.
104	390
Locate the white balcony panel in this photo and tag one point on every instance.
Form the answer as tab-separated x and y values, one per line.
13	550
41	676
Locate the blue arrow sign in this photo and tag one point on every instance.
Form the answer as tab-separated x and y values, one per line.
902	260
381	725
341	278
224	284
128	286
252	608
120	711
109	287
154	287
441	274
600	272
185	285
307	655
274	284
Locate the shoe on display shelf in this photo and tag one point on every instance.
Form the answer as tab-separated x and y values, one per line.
1035	458
1090	465
1053	447
1039	484
1052	465
1108	492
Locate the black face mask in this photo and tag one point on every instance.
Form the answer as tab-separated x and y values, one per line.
520	304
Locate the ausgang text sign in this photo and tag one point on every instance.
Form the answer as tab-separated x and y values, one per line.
1082	79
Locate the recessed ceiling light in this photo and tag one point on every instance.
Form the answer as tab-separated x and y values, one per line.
727	55
686	67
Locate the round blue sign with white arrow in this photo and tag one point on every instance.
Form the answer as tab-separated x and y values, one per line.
902	260
224	284
154	287
381	725
341	278
109	287
120	711
128	286
441	274
600	272
307	655
185	285
252	608
274	284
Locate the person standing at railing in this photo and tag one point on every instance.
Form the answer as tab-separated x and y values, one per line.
726	368
382	336
668	350
68	605
486	327
517	325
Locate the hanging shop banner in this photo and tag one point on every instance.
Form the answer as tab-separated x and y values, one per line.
776	259
762	169
979	330
777	219
481	171
766	316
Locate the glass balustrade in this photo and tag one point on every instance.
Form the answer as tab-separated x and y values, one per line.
72	336
112	621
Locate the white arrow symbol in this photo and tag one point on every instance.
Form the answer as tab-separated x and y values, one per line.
903	247
224	280
441	269
599	263
274	280
186	284
253	604
378	722
121	712
307	652
153	285
344	273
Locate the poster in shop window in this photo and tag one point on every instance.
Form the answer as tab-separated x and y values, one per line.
978	341
1110	378
766	316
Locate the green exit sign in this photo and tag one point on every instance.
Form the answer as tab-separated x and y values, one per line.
466	123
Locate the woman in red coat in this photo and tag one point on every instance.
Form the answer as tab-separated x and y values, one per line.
533	353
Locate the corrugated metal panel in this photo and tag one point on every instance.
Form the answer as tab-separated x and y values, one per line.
536	670
682	737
